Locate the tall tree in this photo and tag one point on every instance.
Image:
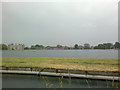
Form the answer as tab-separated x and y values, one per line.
32	47
117	45
76	46
107	45
26	48
59	46
4	47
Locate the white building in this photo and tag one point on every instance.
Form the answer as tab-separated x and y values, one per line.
16	47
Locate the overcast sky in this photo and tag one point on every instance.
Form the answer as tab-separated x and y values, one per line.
65	23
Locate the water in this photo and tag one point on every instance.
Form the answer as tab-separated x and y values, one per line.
32	81
63	53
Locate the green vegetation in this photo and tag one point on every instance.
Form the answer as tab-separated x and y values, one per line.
63	63
108	46
104	46
116	45
48	84
3	47
76	46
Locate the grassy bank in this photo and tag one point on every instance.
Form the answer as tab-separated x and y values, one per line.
63	63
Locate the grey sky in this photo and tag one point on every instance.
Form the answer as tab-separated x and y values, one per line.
65	23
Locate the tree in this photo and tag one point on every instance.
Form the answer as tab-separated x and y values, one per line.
32	47
37	45
96	47
41	46
101	46
0	46
26	48
4	47
117	45
104	46
59	46
66	47
76	46
107	45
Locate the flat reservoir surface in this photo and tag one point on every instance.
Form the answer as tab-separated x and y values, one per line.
62	53
32	81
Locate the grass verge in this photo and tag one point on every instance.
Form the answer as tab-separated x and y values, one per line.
63	63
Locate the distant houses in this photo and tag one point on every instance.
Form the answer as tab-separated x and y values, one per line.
86	46
16	47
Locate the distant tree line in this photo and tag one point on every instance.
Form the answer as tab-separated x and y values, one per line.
116	45
76	46
108	46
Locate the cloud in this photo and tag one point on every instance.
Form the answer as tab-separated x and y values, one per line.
64	23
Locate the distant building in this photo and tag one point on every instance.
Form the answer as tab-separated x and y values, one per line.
48	47
81	47
86	46
16	47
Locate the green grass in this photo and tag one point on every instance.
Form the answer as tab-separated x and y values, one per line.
63	63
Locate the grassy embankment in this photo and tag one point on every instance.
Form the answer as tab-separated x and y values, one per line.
63	63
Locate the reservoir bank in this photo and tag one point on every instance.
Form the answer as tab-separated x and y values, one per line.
62	73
